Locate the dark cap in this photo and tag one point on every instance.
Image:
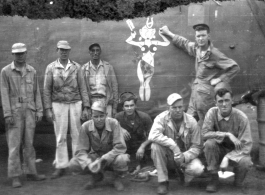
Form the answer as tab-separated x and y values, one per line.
127	96
94	44
205	26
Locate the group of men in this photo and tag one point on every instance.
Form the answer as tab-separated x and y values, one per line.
106	140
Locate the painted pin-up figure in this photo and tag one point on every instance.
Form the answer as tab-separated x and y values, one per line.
145	68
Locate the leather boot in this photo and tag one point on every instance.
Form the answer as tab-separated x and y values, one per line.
58	173
16	182
93	179
118	181
212	186
162	188
36	177
239	177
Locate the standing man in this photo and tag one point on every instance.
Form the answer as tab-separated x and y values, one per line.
101	80
136	126
101	146
228	140
213	68
22	108
65	96
176	144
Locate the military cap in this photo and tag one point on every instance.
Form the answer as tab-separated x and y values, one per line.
99	106
94	44
201	25
172	98
19	48
63	45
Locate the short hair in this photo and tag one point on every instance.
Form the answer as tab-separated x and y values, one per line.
127	96
200	27
221	92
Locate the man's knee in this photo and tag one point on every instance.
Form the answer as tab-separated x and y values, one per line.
245	163
210	144
74	165
121	162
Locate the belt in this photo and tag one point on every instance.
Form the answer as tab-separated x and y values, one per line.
22	99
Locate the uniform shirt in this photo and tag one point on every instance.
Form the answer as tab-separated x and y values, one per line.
139	131
24	84
213	64
163	132
97	79
109	145
215	127
64	86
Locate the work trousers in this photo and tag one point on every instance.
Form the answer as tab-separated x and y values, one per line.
66	115
118	164
21	133
214	154
201	100
163	159
103	99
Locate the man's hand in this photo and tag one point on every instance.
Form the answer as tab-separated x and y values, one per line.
126	134
140	153
85	114
179	159
215	81
9	120
49	115
224	164
237	143
38	118
165	31
95	166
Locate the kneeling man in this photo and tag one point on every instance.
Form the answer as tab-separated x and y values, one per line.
228	140
101	146
176	144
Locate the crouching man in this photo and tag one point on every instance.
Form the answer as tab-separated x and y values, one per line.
176	144
228	140
101	146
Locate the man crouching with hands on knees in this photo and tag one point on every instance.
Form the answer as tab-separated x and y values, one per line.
176	144
101	146
228	140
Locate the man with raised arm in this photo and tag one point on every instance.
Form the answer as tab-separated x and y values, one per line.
213	68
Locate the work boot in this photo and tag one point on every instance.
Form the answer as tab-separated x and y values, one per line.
212	186
240	175
16	182
36	177
118	184
58	173
93	179
162	188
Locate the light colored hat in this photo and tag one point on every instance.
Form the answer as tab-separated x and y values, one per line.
99	106
172	98
19	48
63	45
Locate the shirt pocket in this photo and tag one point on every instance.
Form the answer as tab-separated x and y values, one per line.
29	84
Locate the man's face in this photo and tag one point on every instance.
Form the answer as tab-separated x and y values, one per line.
63	53
224	104
129	107
99	119
20	57
95	52
176	109
202	37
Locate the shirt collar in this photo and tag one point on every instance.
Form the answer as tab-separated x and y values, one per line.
185	120
13	67
107	125
59	65
220	117
93	66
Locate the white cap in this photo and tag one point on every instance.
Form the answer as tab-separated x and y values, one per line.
19	48
63	45
99	106
172	98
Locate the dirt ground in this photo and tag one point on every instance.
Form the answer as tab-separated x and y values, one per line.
73	184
